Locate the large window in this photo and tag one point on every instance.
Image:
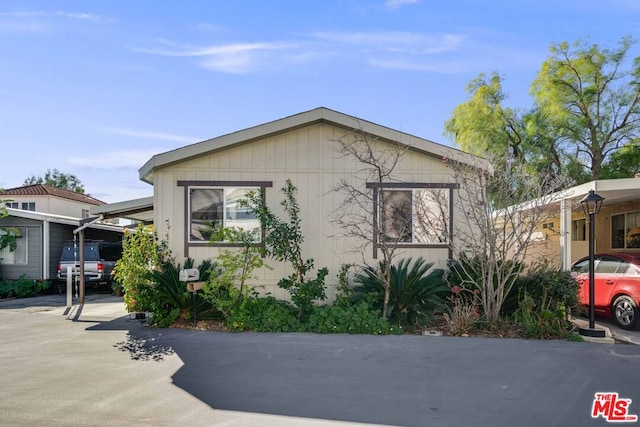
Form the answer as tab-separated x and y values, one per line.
28	206
211	208
625	231
419	216
19	256
12	205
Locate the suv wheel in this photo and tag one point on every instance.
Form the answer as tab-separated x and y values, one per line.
625	312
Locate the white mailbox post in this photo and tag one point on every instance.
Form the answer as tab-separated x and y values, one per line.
189	276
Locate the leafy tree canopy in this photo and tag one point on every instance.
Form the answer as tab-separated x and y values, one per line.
57	179
586	107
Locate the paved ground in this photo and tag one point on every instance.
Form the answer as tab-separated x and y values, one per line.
96	367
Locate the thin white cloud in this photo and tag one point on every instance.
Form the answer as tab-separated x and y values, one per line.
115	160
149	135
394	4
442	67
397	40
41	21
229	58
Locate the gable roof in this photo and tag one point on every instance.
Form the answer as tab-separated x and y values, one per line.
47	190
318	115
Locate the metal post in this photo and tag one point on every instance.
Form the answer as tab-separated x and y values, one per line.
69	286
82	259
592	274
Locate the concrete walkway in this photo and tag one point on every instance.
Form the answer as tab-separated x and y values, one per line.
95	366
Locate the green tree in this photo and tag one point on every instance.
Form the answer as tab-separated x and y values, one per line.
586	106
57	179
624	163
590	99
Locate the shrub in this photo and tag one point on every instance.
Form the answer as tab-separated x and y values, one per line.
462	313
263	314
416	291
354	319
22	288
557	288
142	252
542	319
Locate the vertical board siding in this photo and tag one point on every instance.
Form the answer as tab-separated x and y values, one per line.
310	157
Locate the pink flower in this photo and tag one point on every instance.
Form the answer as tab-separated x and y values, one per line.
456	289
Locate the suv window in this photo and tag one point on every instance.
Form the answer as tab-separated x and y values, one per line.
111	253
581	267
92	252
607	265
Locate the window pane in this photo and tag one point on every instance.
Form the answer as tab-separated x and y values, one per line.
633	230
617	232
238	216
19	256
395	215
207	210
579	230
431	210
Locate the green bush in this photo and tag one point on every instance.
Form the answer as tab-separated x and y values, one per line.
22	288
416	291
263	314
355	319
557	288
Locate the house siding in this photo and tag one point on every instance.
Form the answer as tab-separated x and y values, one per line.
33	268
309	157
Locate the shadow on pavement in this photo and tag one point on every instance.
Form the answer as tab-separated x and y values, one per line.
393	380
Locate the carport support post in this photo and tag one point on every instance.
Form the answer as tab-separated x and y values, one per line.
81	291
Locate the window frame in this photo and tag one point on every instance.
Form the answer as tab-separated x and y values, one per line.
626	229
24	237
189	185
378	188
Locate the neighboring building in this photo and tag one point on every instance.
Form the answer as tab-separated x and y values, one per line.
52	200
564	237
202	182
46	217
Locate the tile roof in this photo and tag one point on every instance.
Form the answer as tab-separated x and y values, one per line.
47	190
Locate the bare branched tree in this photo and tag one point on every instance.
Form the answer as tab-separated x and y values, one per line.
501	215
372	217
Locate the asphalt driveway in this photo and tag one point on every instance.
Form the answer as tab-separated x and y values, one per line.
95	366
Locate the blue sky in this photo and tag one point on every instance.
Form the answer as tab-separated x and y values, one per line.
95	88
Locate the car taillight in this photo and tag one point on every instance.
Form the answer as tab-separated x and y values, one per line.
100	267
59	268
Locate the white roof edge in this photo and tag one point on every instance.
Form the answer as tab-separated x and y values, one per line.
126	205
301	119
58	219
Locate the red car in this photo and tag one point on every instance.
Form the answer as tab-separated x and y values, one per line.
617	286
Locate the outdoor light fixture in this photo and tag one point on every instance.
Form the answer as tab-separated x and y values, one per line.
591	204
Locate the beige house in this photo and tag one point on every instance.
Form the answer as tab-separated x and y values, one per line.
202	183
563	237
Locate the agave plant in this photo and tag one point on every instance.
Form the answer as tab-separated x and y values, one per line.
171	295
416	291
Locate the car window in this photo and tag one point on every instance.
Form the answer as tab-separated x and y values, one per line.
626	268
581	267
607	265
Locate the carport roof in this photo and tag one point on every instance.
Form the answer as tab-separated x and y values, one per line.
136	209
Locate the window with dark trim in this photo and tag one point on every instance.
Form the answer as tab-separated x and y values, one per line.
209	204
19	255
414	215
625	231
417	215
211	208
